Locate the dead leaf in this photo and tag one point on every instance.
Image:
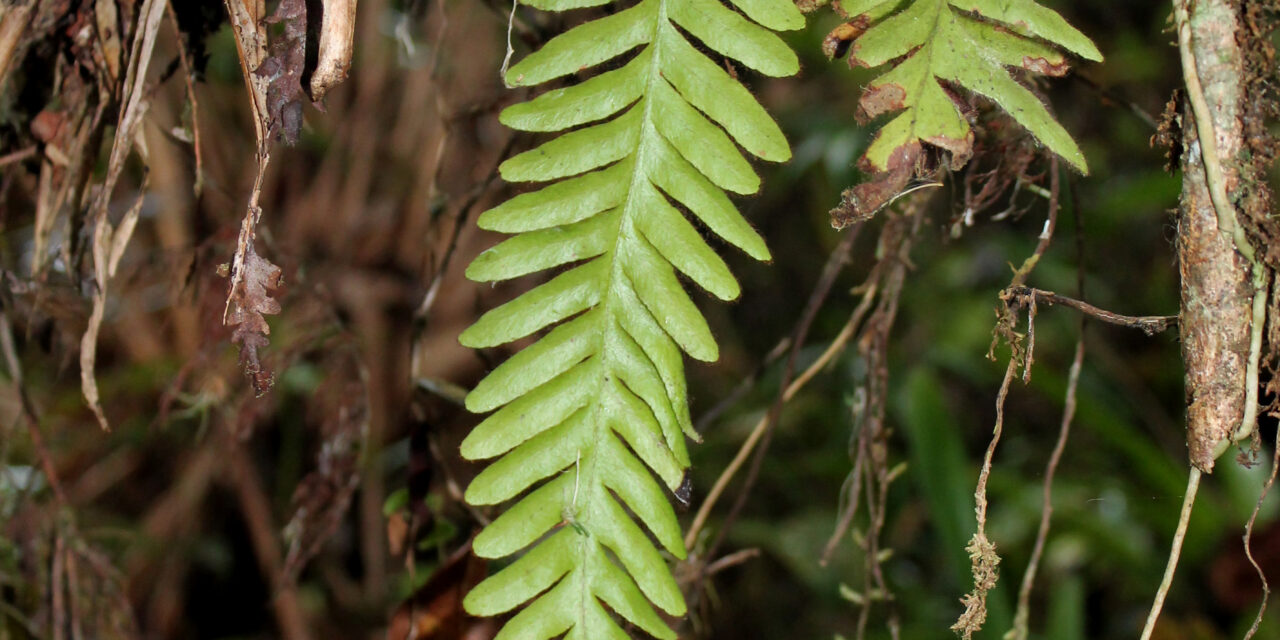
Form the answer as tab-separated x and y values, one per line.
109	244
247	303
283	72
864	200
108	21
275	88
337	34
836	44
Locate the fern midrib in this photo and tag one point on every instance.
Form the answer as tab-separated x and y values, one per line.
938	7
626	232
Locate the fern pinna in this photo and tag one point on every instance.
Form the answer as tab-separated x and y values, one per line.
933	46
597	407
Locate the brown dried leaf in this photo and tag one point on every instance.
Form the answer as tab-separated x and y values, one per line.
836	44
247	302
881	99
109	244
864	200
283	71
1039	64
108	20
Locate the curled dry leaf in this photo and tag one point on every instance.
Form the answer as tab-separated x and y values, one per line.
836	44
248	301
863	200
283	71
108	243
337	32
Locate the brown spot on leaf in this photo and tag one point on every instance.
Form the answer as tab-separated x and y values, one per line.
880	99
1048	67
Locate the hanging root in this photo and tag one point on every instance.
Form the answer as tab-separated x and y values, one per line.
1188	501
1248	539
982	552
1022	614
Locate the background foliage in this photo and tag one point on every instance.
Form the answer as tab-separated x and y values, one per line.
184	507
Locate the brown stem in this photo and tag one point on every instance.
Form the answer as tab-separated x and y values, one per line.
1149	325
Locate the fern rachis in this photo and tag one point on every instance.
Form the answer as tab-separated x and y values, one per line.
599	403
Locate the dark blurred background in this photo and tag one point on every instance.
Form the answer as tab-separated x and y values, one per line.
198	512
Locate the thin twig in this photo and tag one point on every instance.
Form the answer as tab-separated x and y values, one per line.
837	345
980	548
1050	225
732	560
506	60
1149	325
1109	95
18	156
864	613
188	75
1032	309
873	348
835	264
854	487
1188	501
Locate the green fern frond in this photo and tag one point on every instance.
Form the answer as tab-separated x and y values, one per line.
969	44
585	418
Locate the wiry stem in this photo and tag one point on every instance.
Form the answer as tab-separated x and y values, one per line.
1023	612
1248	539
1188	501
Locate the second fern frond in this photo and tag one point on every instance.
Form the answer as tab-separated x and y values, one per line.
936	47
